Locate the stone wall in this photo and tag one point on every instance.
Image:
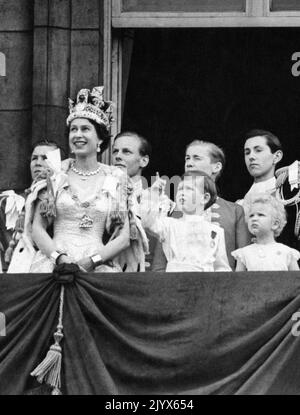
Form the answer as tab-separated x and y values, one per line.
52	48
16	40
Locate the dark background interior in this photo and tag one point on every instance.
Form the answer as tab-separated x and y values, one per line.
213	84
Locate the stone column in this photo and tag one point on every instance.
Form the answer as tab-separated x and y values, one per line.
68	56
16	24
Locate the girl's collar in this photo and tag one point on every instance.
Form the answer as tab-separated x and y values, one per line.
193	218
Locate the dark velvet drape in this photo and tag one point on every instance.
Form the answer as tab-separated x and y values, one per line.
155	333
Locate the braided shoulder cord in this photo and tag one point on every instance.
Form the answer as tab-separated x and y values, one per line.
281	176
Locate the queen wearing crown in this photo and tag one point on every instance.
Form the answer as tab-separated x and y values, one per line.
87	203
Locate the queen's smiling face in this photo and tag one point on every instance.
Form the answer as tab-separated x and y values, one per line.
83	138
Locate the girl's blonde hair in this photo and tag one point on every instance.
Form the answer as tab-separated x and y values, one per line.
278	209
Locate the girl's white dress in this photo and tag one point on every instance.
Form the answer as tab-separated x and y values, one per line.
269	257
191	244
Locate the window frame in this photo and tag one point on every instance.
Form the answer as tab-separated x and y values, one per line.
282	13
258	14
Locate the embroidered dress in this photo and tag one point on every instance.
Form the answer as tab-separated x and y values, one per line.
79	225
266	257
191	244
78	229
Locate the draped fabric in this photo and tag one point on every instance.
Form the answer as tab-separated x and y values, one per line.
218	333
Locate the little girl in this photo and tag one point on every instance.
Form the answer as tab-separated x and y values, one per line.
190	243
266	218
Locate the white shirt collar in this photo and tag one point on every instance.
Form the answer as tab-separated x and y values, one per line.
267	186
193	218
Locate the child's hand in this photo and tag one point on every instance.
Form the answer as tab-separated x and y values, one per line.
165	205
158	187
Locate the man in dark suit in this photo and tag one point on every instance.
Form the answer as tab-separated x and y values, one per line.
263	151
208	157
131	152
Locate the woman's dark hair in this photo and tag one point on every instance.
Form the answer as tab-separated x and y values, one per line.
272	140
48	143
44	143
101	132
208	184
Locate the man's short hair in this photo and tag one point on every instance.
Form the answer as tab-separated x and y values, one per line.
145	148
216	153
272	140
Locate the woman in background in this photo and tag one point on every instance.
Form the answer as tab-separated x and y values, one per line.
12	210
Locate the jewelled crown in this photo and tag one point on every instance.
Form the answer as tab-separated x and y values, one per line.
91	105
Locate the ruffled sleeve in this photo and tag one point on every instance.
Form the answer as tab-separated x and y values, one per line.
13	207
154	210
42	196
293	255
239	254
115	187
119	189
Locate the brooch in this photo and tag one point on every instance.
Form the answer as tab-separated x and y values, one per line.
86	222
212	242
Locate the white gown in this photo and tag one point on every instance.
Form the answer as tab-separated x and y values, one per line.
78	230
269	257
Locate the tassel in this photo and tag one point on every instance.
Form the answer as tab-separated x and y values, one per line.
117	216
9	251
20	223
281	178
297	223
132	226
133	231
49	370
47	207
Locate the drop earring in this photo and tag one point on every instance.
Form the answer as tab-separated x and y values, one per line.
98	148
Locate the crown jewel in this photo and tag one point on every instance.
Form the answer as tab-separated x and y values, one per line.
91	105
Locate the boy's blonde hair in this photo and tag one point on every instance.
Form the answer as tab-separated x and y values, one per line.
278	209
208	185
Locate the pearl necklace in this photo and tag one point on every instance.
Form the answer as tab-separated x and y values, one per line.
85	173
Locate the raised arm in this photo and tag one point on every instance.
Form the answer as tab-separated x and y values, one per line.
154	207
